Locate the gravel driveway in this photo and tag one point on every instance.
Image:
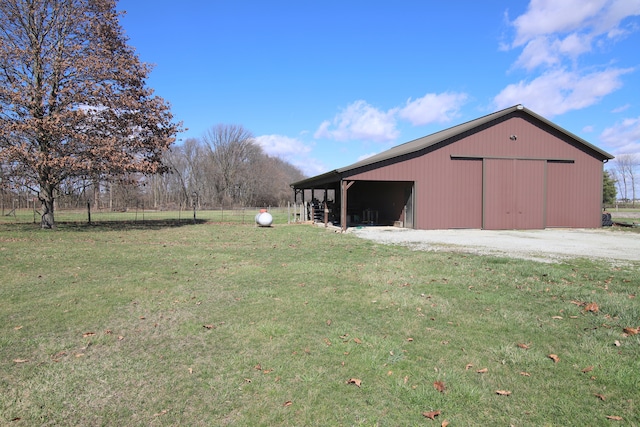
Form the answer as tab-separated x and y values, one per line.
549	245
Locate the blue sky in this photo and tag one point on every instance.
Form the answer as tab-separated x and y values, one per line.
323	84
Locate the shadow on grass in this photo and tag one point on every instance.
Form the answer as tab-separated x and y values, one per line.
107	225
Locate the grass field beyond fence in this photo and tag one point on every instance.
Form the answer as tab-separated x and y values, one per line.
213	325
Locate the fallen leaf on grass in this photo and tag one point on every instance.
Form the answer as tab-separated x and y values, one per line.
482	371
592	307
439	385
631	331
357	341
88	334
614	417
525	374
557	317
209	326
445	423
431	414
599	396
587	369
355	381
20	360
522	345
164	411
617	343
17	328
503	392
287	403
469	365
554	357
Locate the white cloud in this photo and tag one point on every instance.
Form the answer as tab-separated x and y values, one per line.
365	156
360	121
621	108
623	137
551	30
433	108
282	146
556	92
291	150
544	17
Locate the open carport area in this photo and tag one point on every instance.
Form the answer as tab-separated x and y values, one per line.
549	245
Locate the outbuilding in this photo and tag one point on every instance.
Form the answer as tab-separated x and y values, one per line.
512	169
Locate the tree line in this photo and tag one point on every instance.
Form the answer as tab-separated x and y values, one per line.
225	167
624	172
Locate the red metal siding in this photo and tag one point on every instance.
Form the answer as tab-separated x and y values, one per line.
448	191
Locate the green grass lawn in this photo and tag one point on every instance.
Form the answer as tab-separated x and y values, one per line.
207	324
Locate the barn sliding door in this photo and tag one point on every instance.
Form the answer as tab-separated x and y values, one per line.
513	194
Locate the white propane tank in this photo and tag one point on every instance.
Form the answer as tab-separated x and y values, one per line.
264	218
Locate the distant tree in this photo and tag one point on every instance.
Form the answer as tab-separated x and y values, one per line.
73	98
608	189
625	167
234	155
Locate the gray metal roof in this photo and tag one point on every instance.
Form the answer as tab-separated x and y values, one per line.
435	138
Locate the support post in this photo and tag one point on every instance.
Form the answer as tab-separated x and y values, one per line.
343	205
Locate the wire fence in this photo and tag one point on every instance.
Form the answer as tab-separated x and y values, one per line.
292	213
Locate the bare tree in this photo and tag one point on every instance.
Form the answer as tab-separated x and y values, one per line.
625	173
233	152
73	99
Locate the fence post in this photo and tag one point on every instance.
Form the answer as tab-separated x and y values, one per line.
88	212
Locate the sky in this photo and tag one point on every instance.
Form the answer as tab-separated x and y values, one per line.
324	84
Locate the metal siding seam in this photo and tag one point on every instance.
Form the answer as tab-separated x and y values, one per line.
544	196
484	191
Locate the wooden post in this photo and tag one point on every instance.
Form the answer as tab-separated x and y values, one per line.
343	206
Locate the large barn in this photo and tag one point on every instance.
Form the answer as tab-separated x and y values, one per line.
512	169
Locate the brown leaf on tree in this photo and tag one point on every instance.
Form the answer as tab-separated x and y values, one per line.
587	369
482	371
355	381
431	414
503	392
554	357
592	307
600	396
614	417
439	385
